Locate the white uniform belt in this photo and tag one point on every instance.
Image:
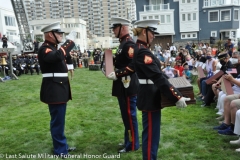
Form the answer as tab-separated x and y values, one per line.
55	74
145	81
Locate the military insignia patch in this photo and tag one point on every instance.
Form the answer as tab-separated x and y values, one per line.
48	50
130	52
147	59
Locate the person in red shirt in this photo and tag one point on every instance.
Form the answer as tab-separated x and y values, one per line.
179	68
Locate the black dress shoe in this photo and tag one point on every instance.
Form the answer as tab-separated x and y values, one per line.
71	149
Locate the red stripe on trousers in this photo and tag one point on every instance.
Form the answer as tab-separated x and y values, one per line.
130	121
149	135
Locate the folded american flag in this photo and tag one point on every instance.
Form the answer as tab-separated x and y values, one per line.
231	70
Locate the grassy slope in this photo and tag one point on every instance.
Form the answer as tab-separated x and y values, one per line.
94	125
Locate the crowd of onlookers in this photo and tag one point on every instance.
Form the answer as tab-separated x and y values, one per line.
219	82
28	63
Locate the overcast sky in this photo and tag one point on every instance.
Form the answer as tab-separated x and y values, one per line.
6	4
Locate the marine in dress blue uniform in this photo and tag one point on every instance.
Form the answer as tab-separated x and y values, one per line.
152	83
125	83
55	88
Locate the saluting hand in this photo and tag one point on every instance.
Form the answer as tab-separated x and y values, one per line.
72	35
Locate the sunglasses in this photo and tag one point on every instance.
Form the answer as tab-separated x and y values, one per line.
223	58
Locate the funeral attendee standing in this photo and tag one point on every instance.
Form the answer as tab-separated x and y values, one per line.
229	47
125	83
4	40
173	50
152	83
55	88
35	43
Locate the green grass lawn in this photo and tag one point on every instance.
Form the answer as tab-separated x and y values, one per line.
94	124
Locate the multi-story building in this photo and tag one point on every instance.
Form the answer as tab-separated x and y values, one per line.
192	20
41	13
9	26
96	13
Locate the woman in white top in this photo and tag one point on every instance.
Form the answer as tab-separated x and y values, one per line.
210	63
170	71
210	67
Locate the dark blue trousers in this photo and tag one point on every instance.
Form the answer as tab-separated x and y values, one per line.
129	117
151	134
57	123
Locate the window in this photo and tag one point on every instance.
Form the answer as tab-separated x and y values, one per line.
12	33
168	19
144	17
38	27
213	16
183	1
183	17
150	17
188	35
194	16
205	3
225	15
188	1
189	17
162	19
213	33
156	17
10	21
236	14
227	34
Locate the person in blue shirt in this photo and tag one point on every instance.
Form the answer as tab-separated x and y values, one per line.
229	47
186	73
188	47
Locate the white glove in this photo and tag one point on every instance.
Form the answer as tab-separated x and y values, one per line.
103	71
181	102
72	35
112	76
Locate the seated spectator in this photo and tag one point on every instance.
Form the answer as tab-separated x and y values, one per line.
190	61
179	67
180	56
234	58
237	130
170	72
237	66
198	55
224	60
222	95
231	105
209	69
186	73
166	55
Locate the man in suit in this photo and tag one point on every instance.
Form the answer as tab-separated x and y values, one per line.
55	88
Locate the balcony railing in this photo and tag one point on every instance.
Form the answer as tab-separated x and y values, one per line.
216	3
158	7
